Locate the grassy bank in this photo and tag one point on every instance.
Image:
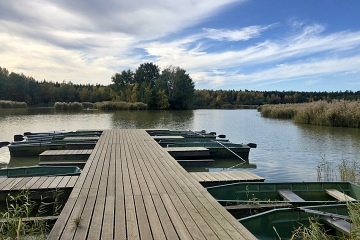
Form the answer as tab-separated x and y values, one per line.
12	104
108	105
120	106
338	113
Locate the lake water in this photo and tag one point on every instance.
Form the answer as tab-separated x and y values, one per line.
285	152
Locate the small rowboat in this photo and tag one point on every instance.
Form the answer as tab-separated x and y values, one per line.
35	171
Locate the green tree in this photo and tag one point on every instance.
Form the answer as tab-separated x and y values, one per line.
122	81
180	87
145	76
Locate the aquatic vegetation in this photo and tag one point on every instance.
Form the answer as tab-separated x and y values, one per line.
109	105
68	106
346	170
24	216
12	104
338	113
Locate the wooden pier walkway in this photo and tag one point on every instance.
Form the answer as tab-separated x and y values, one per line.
131	188
36	183
57	155
215	178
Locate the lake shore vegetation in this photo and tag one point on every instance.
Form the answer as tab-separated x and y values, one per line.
169	88
345	171
12	104
337	113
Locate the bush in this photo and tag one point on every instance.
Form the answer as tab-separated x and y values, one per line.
12	104
108	105
338	113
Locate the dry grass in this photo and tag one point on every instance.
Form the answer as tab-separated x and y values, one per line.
338	113
109	105
12	104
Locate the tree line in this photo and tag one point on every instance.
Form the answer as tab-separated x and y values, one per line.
170	88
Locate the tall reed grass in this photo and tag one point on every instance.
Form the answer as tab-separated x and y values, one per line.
73	106
338	113
20	208
12	104
108	105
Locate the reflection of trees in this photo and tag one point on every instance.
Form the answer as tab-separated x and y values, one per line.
153	119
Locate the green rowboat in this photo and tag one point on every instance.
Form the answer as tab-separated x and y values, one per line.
244	199
281	223
33	171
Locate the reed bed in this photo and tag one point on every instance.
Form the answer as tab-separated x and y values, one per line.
20	207
109	105
338	113
12	104
68	106
346	170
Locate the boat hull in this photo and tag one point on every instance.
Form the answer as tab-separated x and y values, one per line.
219	150
281	223
33	171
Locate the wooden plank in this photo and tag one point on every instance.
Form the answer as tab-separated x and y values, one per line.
339	195
166	223
72	181
5	181
20	183
55	183
64	181
11	184
339	224
290	196
29	184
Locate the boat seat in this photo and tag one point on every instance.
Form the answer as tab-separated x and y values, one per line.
339	195
290	196
339	224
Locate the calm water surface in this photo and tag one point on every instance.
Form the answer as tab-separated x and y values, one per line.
286	151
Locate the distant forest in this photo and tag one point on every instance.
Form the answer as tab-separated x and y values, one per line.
171	88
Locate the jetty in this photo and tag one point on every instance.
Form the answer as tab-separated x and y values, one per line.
131	188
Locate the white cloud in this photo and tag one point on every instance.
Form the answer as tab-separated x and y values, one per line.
87	41
242	34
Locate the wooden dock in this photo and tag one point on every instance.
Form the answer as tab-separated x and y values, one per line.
187	152
131	188
37	184
61	155
208	179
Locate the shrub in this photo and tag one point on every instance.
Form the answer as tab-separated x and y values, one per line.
12	104
338	113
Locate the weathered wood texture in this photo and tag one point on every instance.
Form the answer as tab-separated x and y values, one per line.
37	183
229	176
131	188
63	155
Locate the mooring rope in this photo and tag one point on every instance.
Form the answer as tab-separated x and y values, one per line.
244	161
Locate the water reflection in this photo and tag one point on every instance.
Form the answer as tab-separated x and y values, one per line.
152	119
286	151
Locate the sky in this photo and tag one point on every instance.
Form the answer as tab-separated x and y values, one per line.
261	45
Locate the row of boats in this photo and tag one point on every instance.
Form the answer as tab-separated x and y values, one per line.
271	210
219	147
32	144
276	210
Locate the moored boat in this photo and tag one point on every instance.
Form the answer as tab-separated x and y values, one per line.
35	143
242	199
219	149
32	171
281	223
185	133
